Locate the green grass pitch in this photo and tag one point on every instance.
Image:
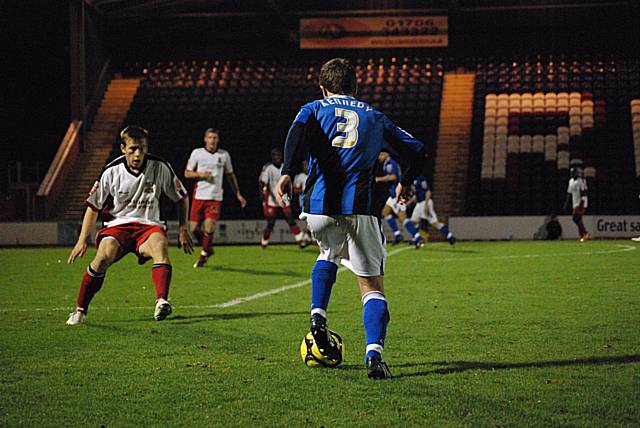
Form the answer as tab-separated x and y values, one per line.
482	334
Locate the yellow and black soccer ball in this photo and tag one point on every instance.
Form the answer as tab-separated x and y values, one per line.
311	355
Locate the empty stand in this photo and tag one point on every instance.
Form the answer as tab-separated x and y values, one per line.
534	117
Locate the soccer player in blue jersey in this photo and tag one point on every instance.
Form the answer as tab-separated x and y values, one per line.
393	208
341	138
424	209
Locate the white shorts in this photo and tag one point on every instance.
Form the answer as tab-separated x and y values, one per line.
356	241
419	212
395	206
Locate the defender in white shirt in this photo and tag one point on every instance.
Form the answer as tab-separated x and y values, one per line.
208	165
577	195
135	182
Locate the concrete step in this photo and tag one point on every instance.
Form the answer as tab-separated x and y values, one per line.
117	99
99	144
456	114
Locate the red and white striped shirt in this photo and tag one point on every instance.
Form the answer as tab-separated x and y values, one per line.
136	197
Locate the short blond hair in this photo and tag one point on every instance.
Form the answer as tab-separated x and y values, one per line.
134	133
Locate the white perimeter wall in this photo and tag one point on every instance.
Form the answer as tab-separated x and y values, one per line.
227	232
250	231
484	228
28	233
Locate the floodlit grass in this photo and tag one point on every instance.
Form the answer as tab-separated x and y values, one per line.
481	334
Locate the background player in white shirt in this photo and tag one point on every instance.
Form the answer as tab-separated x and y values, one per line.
135	181
298	186
577	195
268	179
299	182
208	165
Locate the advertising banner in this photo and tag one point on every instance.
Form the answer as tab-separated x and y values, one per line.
374	32
533	227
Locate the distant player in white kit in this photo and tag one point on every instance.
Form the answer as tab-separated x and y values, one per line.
268	179
135	181
577	195
208	165
299	182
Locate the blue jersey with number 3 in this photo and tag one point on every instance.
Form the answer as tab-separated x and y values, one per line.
343	137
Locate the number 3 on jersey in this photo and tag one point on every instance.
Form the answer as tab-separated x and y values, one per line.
349	128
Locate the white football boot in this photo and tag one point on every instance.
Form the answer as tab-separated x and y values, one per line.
76	317
163	310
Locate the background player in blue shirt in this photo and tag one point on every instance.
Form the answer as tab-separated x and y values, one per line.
393	208
424	209
341	138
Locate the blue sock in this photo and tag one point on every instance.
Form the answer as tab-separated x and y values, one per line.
375	317
444	230
411	228
322	278
391	221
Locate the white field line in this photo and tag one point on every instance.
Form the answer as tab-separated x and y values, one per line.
239	300
621	249
262	294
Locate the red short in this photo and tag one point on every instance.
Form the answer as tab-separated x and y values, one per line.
579	210
270	211
202	209
130	236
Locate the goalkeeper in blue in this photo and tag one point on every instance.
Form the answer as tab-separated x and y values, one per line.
341	137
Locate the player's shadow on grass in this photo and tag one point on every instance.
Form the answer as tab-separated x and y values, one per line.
259	272
192	319
463	366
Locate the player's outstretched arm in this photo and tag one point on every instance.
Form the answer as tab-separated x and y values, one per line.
88	223
283	190
389	178
184	235
233	181
197	175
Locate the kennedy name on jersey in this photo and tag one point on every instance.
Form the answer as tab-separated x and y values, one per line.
345	102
